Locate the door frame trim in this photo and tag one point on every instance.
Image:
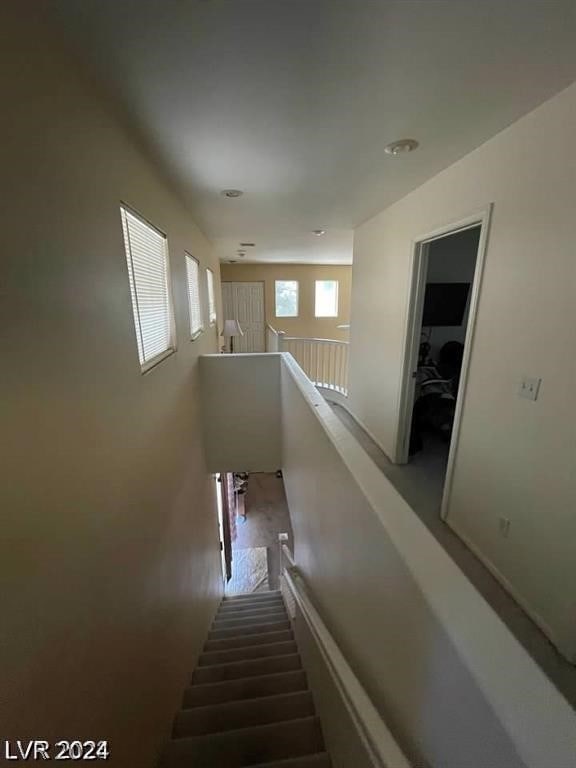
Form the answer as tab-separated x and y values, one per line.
419	264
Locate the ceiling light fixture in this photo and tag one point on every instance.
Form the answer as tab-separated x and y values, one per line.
232	192
247	245
401	147
318	232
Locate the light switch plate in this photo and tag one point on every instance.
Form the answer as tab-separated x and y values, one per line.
529	388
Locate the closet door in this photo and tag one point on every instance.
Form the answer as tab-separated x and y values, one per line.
245	302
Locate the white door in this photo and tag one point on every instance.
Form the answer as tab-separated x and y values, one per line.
245	302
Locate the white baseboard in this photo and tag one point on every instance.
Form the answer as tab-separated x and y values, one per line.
568	653
365	428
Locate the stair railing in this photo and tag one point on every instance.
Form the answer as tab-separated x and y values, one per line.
273	339
324	361
377	739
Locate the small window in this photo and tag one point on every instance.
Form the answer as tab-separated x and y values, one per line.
326	304
211	298
286	298
194	304
148	272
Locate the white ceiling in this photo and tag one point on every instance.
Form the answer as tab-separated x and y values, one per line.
293	101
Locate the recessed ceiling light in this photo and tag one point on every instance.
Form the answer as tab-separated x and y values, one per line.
401	146
232	192
241	254
318	232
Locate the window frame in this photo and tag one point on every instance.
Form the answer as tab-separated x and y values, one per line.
337	305
147	365
297	282
212	312
194	334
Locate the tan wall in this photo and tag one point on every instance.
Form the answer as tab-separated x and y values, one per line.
515	457
109	559
305	324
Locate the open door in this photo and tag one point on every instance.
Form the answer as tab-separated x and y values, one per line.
436	309
225	494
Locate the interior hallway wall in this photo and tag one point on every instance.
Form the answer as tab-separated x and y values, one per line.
515	457
109	556
306	324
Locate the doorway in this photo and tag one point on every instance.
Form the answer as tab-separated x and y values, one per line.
446	275
254	514
245	302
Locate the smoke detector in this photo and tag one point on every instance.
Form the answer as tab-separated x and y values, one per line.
401	147
318	232
232	192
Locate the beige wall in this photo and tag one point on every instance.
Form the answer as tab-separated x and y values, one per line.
109	559
241	436
515	458
305	324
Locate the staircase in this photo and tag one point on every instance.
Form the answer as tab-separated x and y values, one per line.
248	703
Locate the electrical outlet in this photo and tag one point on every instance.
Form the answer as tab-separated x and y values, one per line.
529	388
504	527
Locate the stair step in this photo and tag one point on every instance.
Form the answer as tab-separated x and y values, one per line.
244	688
252	596
248	629
248	668
247	604
251	618
242	714
238	613
247	652
246	746
247	640
318	760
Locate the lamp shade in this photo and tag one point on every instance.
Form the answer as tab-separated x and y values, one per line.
232	328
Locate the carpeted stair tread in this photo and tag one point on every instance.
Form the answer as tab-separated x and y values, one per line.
257	651
248	629
265	638
246	746
250	605
251	597
248	615
248	703
318	760
260	618
245	688
246	668
233	715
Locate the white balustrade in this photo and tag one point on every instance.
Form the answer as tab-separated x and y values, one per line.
324	361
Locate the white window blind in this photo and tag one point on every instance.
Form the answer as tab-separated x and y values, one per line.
192	274
147	258
211	299
326	304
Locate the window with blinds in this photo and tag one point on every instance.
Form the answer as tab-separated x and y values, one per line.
147	258
192	274
211	298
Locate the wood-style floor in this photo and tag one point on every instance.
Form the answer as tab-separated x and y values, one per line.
266	516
